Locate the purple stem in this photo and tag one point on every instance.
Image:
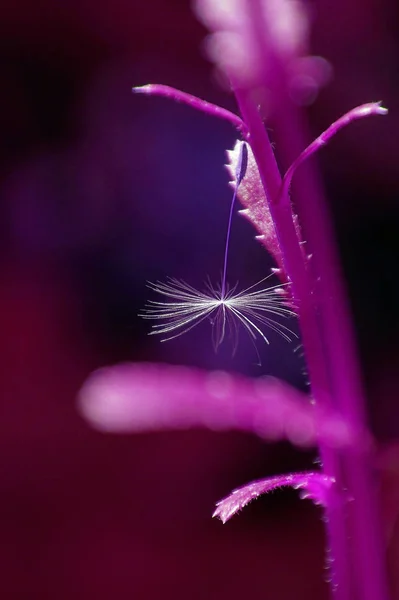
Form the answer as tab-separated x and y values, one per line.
363	536
329	345
314	351
157	89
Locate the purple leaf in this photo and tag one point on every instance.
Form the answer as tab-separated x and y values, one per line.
145	397
315	486
359	112
252	196
158	89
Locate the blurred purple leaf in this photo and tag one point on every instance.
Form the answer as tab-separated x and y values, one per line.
142	397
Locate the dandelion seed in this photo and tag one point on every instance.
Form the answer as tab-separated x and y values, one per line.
226	309
251	308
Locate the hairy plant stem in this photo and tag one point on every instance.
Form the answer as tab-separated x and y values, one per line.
363	536
299	275
352	528
352	521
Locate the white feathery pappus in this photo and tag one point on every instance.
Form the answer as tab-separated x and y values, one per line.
185	306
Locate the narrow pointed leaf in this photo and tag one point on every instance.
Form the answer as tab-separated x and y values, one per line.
359	112
158	89
315	486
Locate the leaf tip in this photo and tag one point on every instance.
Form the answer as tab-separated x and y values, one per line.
142	89
381	110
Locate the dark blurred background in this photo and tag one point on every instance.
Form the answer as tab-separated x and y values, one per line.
101	190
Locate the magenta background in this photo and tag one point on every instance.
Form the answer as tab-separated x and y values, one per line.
100	191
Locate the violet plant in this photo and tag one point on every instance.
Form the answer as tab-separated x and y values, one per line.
260	46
